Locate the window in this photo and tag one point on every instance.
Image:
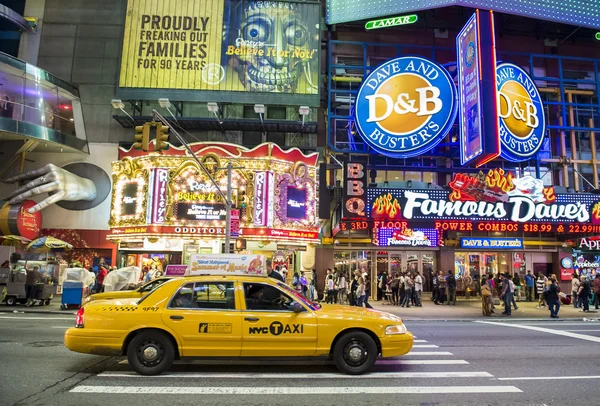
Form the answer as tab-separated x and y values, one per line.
266	297
152	285
204	295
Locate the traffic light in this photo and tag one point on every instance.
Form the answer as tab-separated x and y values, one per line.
162	136
142	137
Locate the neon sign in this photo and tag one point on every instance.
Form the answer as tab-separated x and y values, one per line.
406	237
495	196
405	107
355	181
491	243
160	177
391	22
522	117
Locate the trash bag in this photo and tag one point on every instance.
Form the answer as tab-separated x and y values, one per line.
121	278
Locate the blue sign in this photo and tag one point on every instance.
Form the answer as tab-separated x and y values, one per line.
486	243
405	107
296	203
566	262
476	50
522	117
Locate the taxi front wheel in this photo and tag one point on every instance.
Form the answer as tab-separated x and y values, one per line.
150	353
355	353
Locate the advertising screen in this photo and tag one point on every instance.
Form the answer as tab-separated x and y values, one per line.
220	46
201	211
296	204
130	192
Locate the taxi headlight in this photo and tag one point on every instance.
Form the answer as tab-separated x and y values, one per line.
396	329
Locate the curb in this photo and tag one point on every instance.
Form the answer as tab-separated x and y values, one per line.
64	312
504	320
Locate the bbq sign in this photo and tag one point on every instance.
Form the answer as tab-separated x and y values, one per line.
405	107
522	120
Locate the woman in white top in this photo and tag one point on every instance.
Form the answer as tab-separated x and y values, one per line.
360	292
574	289
341	285
330	289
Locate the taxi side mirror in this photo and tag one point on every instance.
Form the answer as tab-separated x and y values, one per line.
297	308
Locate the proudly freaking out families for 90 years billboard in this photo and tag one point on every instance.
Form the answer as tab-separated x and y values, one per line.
221	46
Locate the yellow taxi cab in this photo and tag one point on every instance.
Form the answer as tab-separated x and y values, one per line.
125	294
234	315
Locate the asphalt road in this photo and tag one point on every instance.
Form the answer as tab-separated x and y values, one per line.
453	363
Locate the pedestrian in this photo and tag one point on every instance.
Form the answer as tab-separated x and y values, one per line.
342	288
506	294
435	282
540	284
551	297
329	288
529	285
418	289
31	280
303	284
517	282
296	283
486	297
313	286
513	288
394	286
492	285
401	287
272	273
574	289
360	291
408	285
442	295
367	282
451	286
102	272
597	291
584	293
353	299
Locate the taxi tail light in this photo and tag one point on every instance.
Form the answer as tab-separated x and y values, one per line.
79	319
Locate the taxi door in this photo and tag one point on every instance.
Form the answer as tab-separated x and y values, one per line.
205	318
271	328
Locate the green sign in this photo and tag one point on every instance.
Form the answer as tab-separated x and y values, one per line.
392	22
598	36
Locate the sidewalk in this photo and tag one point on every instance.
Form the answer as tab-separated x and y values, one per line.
471	310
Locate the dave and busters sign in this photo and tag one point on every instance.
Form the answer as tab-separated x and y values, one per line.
407	105
492	197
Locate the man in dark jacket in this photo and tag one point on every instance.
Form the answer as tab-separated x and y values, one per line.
552	299
33	276
584	293
597	291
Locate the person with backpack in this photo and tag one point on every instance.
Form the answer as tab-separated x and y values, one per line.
451	285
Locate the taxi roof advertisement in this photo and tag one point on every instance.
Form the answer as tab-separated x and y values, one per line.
221	51
227	264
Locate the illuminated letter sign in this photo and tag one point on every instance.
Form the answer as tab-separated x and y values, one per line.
355	188
159	195
261	199
405	107
476	50
522	118
491	243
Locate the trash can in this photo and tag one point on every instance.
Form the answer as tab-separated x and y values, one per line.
72	294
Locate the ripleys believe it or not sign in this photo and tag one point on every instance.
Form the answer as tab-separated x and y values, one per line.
405	107
227	264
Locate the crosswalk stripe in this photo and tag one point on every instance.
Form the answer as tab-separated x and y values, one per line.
296	375
428	353
425	346
547	378
420	341
422	362
307	391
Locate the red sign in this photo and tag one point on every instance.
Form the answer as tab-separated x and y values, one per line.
29	225
183	230
270	232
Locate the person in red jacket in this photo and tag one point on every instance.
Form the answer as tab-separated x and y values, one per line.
101	275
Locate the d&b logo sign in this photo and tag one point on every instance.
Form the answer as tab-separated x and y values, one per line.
522	118
405	107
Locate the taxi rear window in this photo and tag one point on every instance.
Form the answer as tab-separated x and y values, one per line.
204	295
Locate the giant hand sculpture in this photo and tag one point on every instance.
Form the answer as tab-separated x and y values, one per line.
60	183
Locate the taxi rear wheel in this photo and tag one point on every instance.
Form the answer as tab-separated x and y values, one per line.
355	353
150	353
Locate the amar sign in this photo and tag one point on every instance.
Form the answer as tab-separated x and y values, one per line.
495	196
405	107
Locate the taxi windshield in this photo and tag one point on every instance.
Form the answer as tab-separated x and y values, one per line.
298	296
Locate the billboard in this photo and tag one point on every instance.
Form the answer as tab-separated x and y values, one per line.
476	63
220	46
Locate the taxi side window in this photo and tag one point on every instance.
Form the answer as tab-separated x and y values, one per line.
154	284
204	295
266	297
